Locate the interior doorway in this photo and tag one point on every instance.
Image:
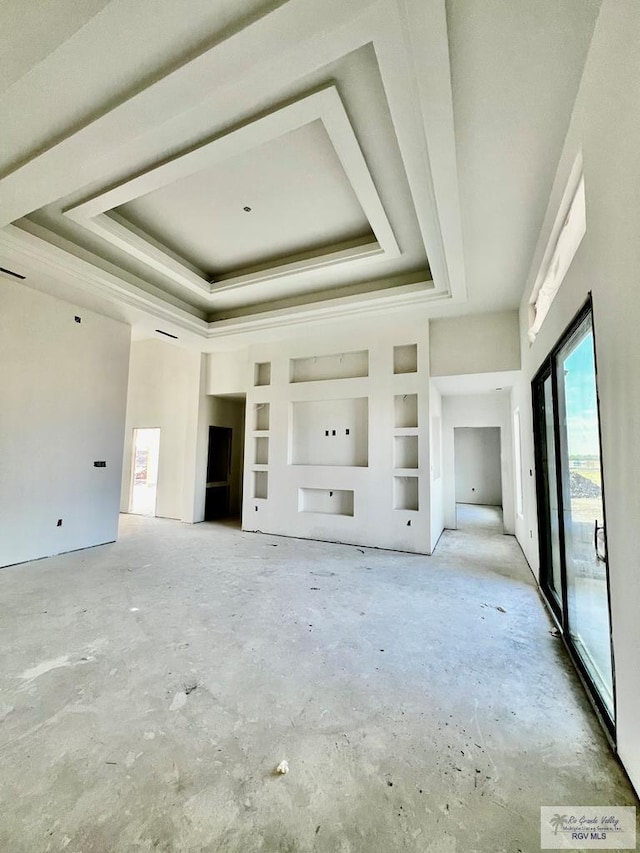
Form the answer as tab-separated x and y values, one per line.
144	477
225	458
571	511
218	494
478	467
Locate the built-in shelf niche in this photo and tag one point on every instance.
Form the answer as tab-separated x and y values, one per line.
405	358
326	501
405	451
330	432
405	493
261	416
262	373
345	365
261	451
260	484
406	411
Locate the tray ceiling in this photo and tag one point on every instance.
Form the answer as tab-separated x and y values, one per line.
147	132
307	114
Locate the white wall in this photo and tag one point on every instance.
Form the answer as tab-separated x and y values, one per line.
605	127
374	522
478	472
437	504
477	410
479	343
165	392
62	402
526	525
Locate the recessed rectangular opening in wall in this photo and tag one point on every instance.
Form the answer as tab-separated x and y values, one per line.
262	374
405	359
326	501
262	451
260	484
261	416
342	365
405	451
330	432
406	411
405	493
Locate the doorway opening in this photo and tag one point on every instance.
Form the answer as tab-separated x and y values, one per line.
478	470
571	511
225	458
144	477
218	495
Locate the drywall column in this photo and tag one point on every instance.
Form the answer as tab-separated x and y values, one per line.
196	443
437	496
63	387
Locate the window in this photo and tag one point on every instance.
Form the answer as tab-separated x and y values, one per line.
567	236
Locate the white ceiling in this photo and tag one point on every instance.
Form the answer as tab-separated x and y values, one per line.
395	154
298	192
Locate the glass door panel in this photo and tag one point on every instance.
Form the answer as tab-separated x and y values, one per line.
554	579
547	487
582	510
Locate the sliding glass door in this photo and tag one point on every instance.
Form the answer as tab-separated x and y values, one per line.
571	506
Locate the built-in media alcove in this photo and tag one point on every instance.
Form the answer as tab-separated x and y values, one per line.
260	484
345	365
405	358
405	493
330	432
326	501
262	374
405	451
406	411
261	451
261	416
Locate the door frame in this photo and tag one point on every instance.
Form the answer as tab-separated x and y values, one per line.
547	369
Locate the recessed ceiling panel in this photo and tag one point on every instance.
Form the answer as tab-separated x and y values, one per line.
285	197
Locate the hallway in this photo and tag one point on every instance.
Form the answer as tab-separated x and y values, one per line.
150	687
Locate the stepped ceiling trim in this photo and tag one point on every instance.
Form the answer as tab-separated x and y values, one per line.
97	214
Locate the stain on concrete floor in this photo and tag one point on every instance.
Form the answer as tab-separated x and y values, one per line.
150	688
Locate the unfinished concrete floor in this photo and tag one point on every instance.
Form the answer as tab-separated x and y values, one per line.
150	688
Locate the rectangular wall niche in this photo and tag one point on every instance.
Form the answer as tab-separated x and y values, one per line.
326	501
345	365
260	484
262	451
330	432
405	451
406	411
262	374
405	359
405	493
261	416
